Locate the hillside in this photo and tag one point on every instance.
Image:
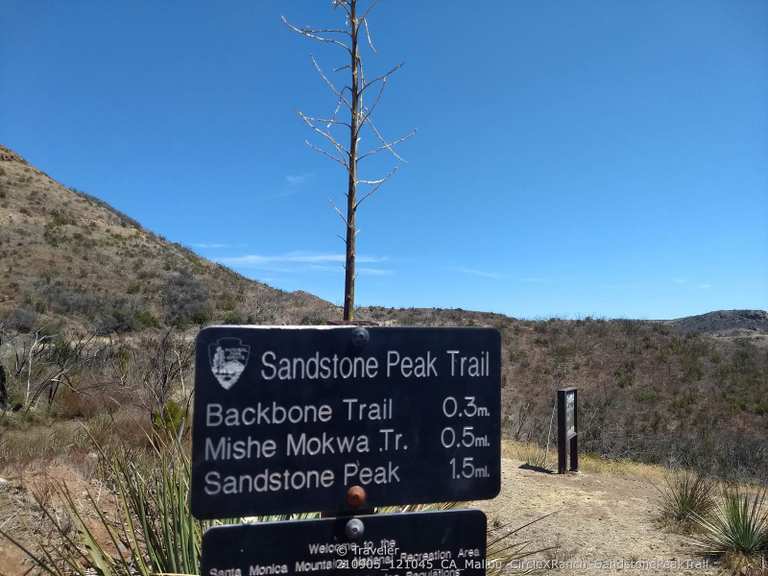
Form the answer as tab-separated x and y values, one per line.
692	390
649	390
742	323
66	256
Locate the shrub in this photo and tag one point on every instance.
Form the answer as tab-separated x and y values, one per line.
312	319
647	395
738	530
170	419
73	404
109	314
686	495
146	319
234	317
186	301
22	319
59	218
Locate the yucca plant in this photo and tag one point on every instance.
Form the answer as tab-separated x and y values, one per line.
686	494
150	530
504	552
738	528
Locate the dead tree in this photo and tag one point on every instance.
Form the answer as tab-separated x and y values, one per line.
350	98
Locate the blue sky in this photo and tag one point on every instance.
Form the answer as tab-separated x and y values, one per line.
605	158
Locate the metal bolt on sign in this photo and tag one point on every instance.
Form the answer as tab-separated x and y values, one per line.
354	529
356	497
360	337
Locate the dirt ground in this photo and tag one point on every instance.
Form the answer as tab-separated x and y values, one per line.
603	523
23	519
12	502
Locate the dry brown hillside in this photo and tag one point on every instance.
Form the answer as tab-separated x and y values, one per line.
691	391
66	256
650	391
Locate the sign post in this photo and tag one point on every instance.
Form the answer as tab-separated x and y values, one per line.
567	430
344	419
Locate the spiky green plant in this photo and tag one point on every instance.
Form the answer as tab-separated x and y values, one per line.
504	552
738	528
684	494
151	531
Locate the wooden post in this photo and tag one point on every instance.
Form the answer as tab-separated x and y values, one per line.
567	430
562	454
575	439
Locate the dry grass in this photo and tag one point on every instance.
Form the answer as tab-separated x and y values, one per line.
534	455
29	447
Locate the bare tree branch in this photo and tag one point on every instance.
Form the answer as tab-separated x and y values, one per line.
339	212
383	77
377	185
327	154
329	121
369	110
313	35
344	4
389	146
336	111
339	93
325	134
368	36
371	6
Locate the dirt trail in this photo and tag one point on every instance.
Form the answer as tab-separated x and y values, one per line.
604	523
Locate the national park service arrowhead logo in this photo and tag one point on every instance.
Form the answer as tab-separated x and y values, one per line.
229	357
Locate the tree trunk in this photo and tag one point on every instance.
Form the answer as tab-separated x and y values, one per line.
349	268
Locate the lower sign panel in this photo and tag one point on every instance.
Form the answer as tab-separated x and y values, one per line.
420	543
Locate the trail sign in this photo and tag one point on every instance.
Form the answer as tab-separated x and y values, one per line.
288	419
451	542
567	430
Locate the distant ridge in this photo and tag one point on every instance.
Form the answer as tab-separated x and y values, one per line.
723	322
68	256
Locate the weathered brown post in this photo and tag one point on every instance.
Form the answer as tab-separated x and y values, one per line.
567	430
3	389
